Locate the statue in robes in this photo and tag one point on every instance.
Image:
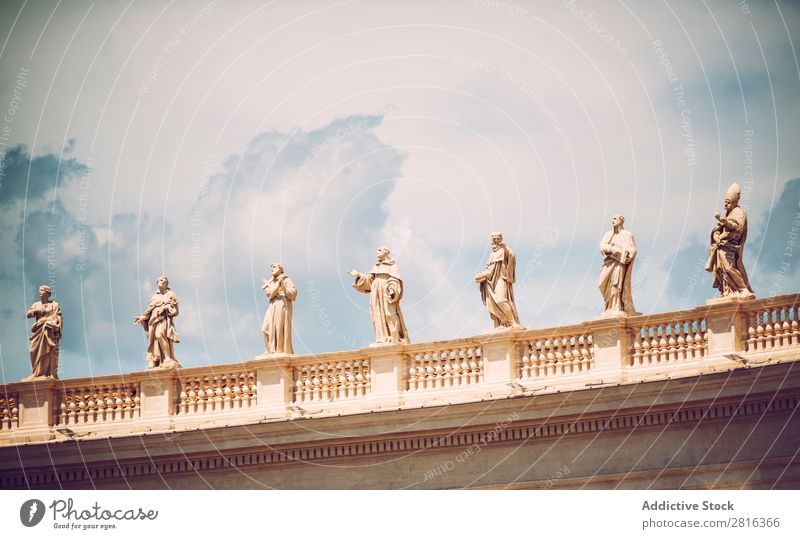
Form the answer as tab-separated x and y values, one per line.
727	244
277	327
496	284
157	322
45	336
385	288
619	249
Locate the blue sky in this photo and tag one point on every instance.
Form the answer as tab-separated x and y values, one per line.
206	140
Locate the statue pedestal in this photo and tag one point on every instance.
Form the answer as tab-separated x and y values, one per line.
615	314
730	299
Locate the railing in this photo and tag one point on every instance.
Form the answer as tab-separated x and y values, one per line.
772	325
99	404
491	366
9	411
331	380
447	367
669	341
216	392
556	354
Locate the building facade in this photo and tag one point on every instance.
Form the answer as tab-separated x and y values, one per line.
701	398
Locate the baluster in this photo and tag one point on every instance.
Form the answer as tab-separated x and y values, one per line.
550	368
253	388
183	398
760	331
783	319
427	363
645	340
202	398
128	405
189	396
680	341
636	356
585	343
525	367
447	369
750	344
299	396
82	407
689	344
654	345
117	404
324	382
769	329
366	377
541	359
236	392
346	378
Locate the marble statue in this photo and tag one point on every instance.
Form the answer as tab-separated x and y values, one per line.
619	249
157	321
727	243
385	288
277	327
496	284
45	336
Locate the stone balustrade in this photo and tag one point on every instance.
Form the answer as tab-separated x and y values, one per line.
442	367
9	411
97	403
662	341
771	323
558	353
711	338
331	380
216	391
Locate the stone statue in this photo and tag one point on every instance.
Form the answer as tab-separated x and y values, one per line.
385	288
497	285
45	336
619	248
157	322
277	327
727	243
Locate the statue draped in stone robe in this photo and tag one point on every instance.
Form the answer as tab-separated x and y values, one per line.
45	336
497	285
385	288
619	249
277	327
727	244
157	321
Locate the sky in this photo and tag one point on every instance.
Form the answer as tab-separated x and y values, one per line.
206	140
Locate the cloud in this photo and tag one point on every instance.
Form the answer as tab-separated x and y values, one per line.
41	248
309	199
776	249
26	178
689	284
312	199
